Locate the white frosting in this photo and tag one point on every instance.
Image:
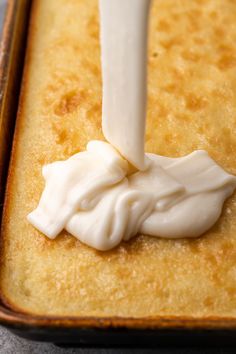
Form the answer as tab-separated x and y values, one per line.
94	198
94	195
124	43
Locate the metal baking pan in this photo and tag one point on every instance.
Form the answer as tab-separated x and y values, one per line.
83	331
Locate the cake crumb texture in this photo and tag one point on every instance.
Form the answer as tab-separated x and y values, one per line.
191	105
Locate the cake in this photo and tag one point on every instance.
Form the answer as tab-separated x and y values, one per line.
191	105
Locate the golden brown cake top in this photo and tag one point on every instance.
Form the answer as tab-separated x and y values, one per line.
191	105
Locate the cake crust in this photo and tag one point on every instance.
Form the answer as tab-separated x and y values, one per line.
191	105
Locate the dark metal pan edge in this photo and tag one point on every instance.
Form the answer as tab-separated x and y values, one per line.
84	331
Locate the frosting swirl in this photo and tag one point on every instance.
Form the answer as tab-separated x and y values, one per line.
95	198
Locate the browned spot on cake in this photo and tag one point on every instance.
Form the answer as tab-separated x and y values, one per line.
183	117
95	113
228	134
230	147
194	246
93	27
217	280
62	136
168	138
168	44
201	130
69	242
219	32
208	302
223	48
231	291
26	291
172	88
213	15
163	26
162	111
193	17
195	103
41	160
69	102
201	2
191	56
226	248
148	136
210	258
227	61
91	67
175	16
